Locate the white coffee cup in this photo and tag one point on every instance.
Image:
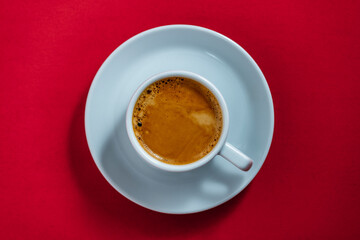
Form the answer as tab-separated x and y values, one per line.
222	148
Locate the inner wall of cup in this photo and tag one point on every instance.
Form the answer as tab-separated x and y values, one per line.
207	85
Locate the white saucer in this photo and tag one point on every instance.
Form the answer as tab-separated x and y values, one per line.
178	47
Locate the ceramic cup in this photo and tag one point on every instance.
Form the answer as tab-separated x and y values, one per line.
222	148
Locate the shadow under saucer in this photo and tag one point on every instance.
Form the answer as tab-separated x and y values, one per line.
105	205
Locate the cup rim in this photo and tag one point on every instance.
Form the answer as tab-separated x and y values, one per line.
170	167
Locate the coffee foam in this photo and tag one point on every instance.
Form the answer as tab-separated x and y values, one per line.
192	109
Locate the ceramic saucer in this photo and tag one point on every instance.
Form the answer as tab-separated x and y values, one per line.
194	49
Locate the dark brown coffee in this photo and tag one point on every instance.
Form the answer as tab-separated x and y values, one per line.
177	120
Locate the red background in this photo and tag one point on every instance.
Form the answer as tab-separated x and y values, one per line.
309	186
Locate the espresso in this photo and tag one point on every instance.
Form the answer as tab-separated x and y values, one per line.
177	120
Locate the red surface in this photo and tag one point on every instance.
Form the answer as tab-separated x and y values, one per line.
309	185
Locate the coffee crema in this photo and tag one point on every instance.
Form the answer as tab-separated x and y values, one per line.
177	120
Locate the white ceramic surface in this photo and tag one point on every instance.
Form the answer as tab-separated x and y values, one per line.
234	155
190	48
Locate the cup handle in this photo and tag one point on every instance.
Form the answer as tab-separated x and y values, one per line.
233	155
